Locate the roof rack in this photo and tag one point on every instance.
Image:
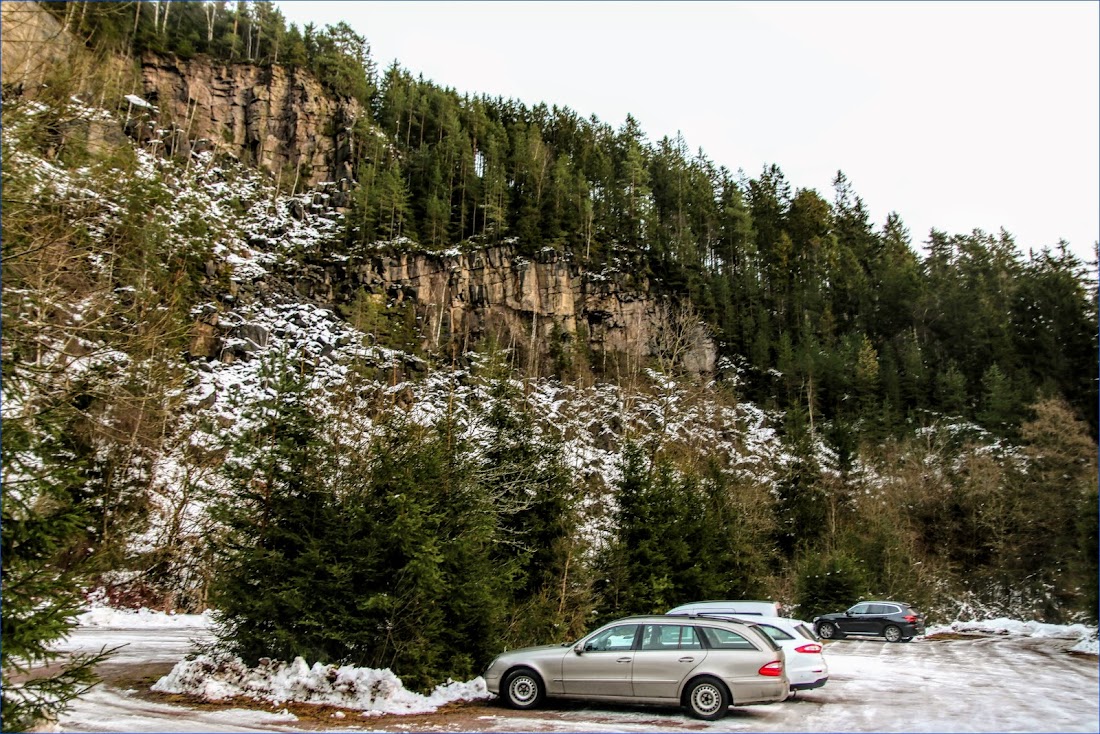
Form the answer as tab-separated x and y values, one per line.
712	615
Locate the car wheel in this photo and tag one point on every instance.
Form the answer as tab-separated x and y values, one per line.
522	689
828	631
706	698
892	633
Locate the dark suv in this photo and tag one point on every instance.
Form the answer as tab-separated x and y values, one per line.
894	620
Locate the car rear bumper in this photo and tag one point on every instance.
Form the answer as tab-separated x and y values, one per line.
807	686
759	692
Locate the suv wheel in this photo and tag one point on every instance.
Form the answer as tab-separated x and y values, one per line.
892	633
828	631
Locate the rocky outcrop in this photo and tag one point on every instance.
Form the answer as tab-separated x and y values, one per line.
33	41
273	117
521	301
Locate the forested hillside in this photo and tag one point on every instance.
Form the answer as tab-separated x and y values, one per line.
185	425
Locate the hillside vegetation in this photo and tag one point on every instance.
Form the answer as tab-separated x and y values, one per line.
881	421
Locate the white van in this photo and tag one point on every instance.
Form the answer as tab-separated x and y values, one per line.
739	607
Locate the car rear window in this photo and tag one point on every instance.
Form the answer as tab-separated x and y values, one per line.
806	632
720	639
774	632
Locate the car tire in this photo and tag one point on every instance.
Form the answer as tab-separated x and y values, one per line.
522	688
892	633
828	631
706	698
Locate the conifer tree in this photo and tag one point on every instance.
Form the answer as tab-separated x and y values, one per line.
274	552
47	510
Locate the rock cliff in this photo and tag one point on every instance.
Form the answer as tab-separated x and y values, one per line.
521	301
32	42
276	118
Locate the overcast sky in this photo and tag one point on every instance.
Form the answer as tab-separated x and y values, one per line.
957	115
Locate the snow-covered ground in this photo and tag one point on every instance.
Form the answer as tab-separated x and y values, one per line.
1085	635
994	675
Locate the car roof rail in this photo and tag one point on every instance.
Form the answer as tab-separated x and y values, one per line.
712	615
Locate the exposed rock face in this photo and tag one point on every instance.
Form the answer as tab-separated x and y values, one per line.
33	40
272	117
466	296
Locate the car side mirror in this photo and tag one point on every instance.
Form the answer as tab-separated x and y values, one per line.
848	613
578	648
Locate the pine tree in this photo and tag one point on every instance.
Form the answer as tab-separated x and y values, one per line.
274	564
998	407
46	564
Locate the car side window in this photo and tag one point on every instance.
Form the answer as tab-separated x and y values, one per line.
689	639
670	637
774	632
861	609
720	639
613	639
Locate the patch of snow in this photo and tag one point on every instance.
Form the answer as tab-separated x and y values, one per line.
137	101
1085	635
370	690
102	616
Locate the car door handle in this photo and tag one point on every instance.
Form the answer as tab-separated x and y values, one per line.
624	660
687	660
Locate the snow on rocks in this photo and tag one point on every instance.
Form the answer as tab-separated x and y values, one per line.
371	690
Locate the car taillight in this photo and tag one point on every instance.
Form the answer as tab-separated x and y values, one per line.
809	649
773	669
911	618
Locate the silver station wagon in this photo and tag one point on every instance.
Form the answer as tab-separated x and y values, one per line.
701	663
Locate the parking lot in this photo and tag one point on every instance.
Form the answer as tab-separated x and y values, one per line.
940	684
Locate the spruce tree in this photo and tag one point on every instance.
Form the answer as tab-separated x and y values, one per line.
46	561
269	591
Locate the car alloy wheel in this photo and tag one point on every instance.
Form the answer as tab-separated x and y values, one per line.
892	633
826	630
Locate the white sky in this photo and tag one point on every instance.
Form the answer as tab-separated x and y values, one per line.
958	115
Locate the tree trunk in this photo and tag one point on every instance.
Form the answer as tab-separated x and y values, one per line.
236	25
